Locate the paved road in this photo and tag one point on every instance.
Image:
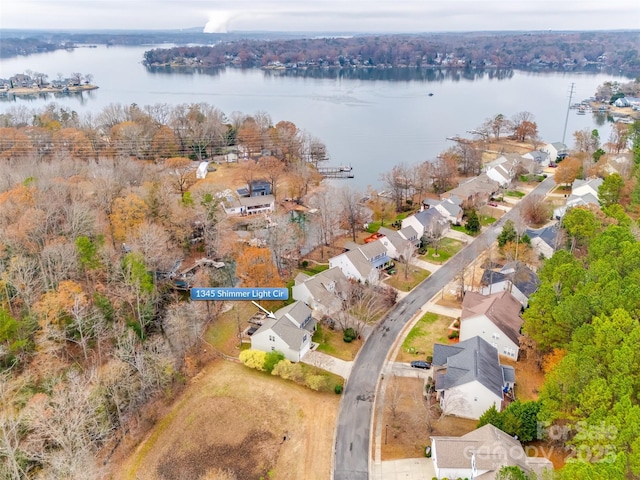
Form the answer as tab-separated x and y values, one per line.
353	432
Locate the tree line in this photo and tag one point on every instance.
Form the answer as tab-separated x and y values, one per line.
522	50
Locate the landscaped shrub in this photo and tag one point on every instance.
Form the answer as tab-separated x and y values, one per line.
272	359
349	335
316	382
253	359
453	334
338	389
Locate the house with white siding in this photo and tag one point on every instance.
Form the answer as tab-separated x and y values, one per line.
323	292
469	378
495	318
482	453
514	277
426	222
364	262
289	332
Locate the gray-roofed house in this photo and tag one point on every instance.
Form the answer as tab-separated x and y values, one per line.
555	150
545	241
538	156
469	378
289	332
515	277
322	292
363	262
448	207
426	222
480	454
504	168
396	241
583	193
495	318
475	191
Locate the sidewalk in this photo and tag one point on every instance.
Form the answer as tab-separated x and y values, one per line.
406	468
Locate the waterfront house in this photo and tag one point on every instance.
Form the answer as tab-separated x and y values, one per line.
556	151
447	207
427	222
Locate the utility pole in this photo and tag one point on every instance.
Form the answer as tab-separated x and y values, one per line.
566	119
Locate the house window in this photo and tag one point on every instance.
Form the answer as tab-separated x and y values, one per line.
272	338
304	338
273	348
496	336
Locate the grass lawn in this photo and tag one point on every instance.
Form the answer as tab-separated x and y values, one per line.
486	220
447	249
331	342
514	193
223	332
414	277
431	328
314	268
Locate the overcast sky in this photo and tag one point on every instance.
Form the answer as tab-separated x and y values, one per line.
323	15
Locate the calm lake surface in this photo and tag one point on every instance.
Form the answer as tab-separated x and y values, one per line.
371	122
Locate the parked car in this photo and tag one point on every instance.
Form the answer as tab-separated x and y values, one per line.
493	204
421	364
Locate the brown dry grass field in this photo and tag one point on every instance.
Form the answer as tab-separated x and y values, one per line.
230	423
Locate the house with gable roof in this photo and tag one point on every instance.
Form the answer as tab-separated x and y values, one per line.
475	191
398	242
322	292
504	168
289	332
448	207
556	151
363	262
481	454
545	241
538	156
495	318
515	277
469	378
583	193
426	222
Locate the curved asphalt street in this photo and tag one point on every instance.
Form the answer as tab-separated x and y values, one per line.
353	431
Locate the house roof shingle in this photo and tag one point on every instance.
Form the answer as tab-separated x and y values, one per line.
470	360
502	308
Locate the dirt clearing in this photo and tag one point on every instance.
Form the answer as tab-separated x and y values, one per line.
235	423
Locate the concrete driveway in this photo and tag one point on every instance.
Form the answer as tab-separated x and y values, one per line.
329	363
404	469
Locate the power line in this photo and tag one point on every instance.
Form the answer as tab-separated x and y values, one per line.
566	119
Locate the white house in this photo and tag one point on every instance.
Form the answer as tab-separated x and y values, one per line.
396	241
426	222
481	454
503	169
449	208
555	150
364	262
475	191
495	318
323	292
289	332
234	205
538	156
583	193
469	378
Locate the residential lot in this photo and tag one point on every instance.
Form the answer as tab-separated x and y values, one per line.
231	422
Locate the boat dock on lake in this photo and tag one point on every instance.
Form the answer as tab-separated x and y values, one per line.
343	171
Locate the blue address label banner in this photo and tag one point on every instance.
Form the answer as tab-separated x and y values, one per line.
253	293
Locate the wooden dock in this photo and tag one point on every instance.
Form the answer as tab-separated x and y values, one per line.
336	172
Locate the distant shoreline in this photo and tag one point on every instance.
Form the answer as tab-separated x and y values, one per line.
49	89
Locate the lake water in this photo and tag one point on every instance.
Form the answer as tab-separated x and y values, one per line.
369	122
